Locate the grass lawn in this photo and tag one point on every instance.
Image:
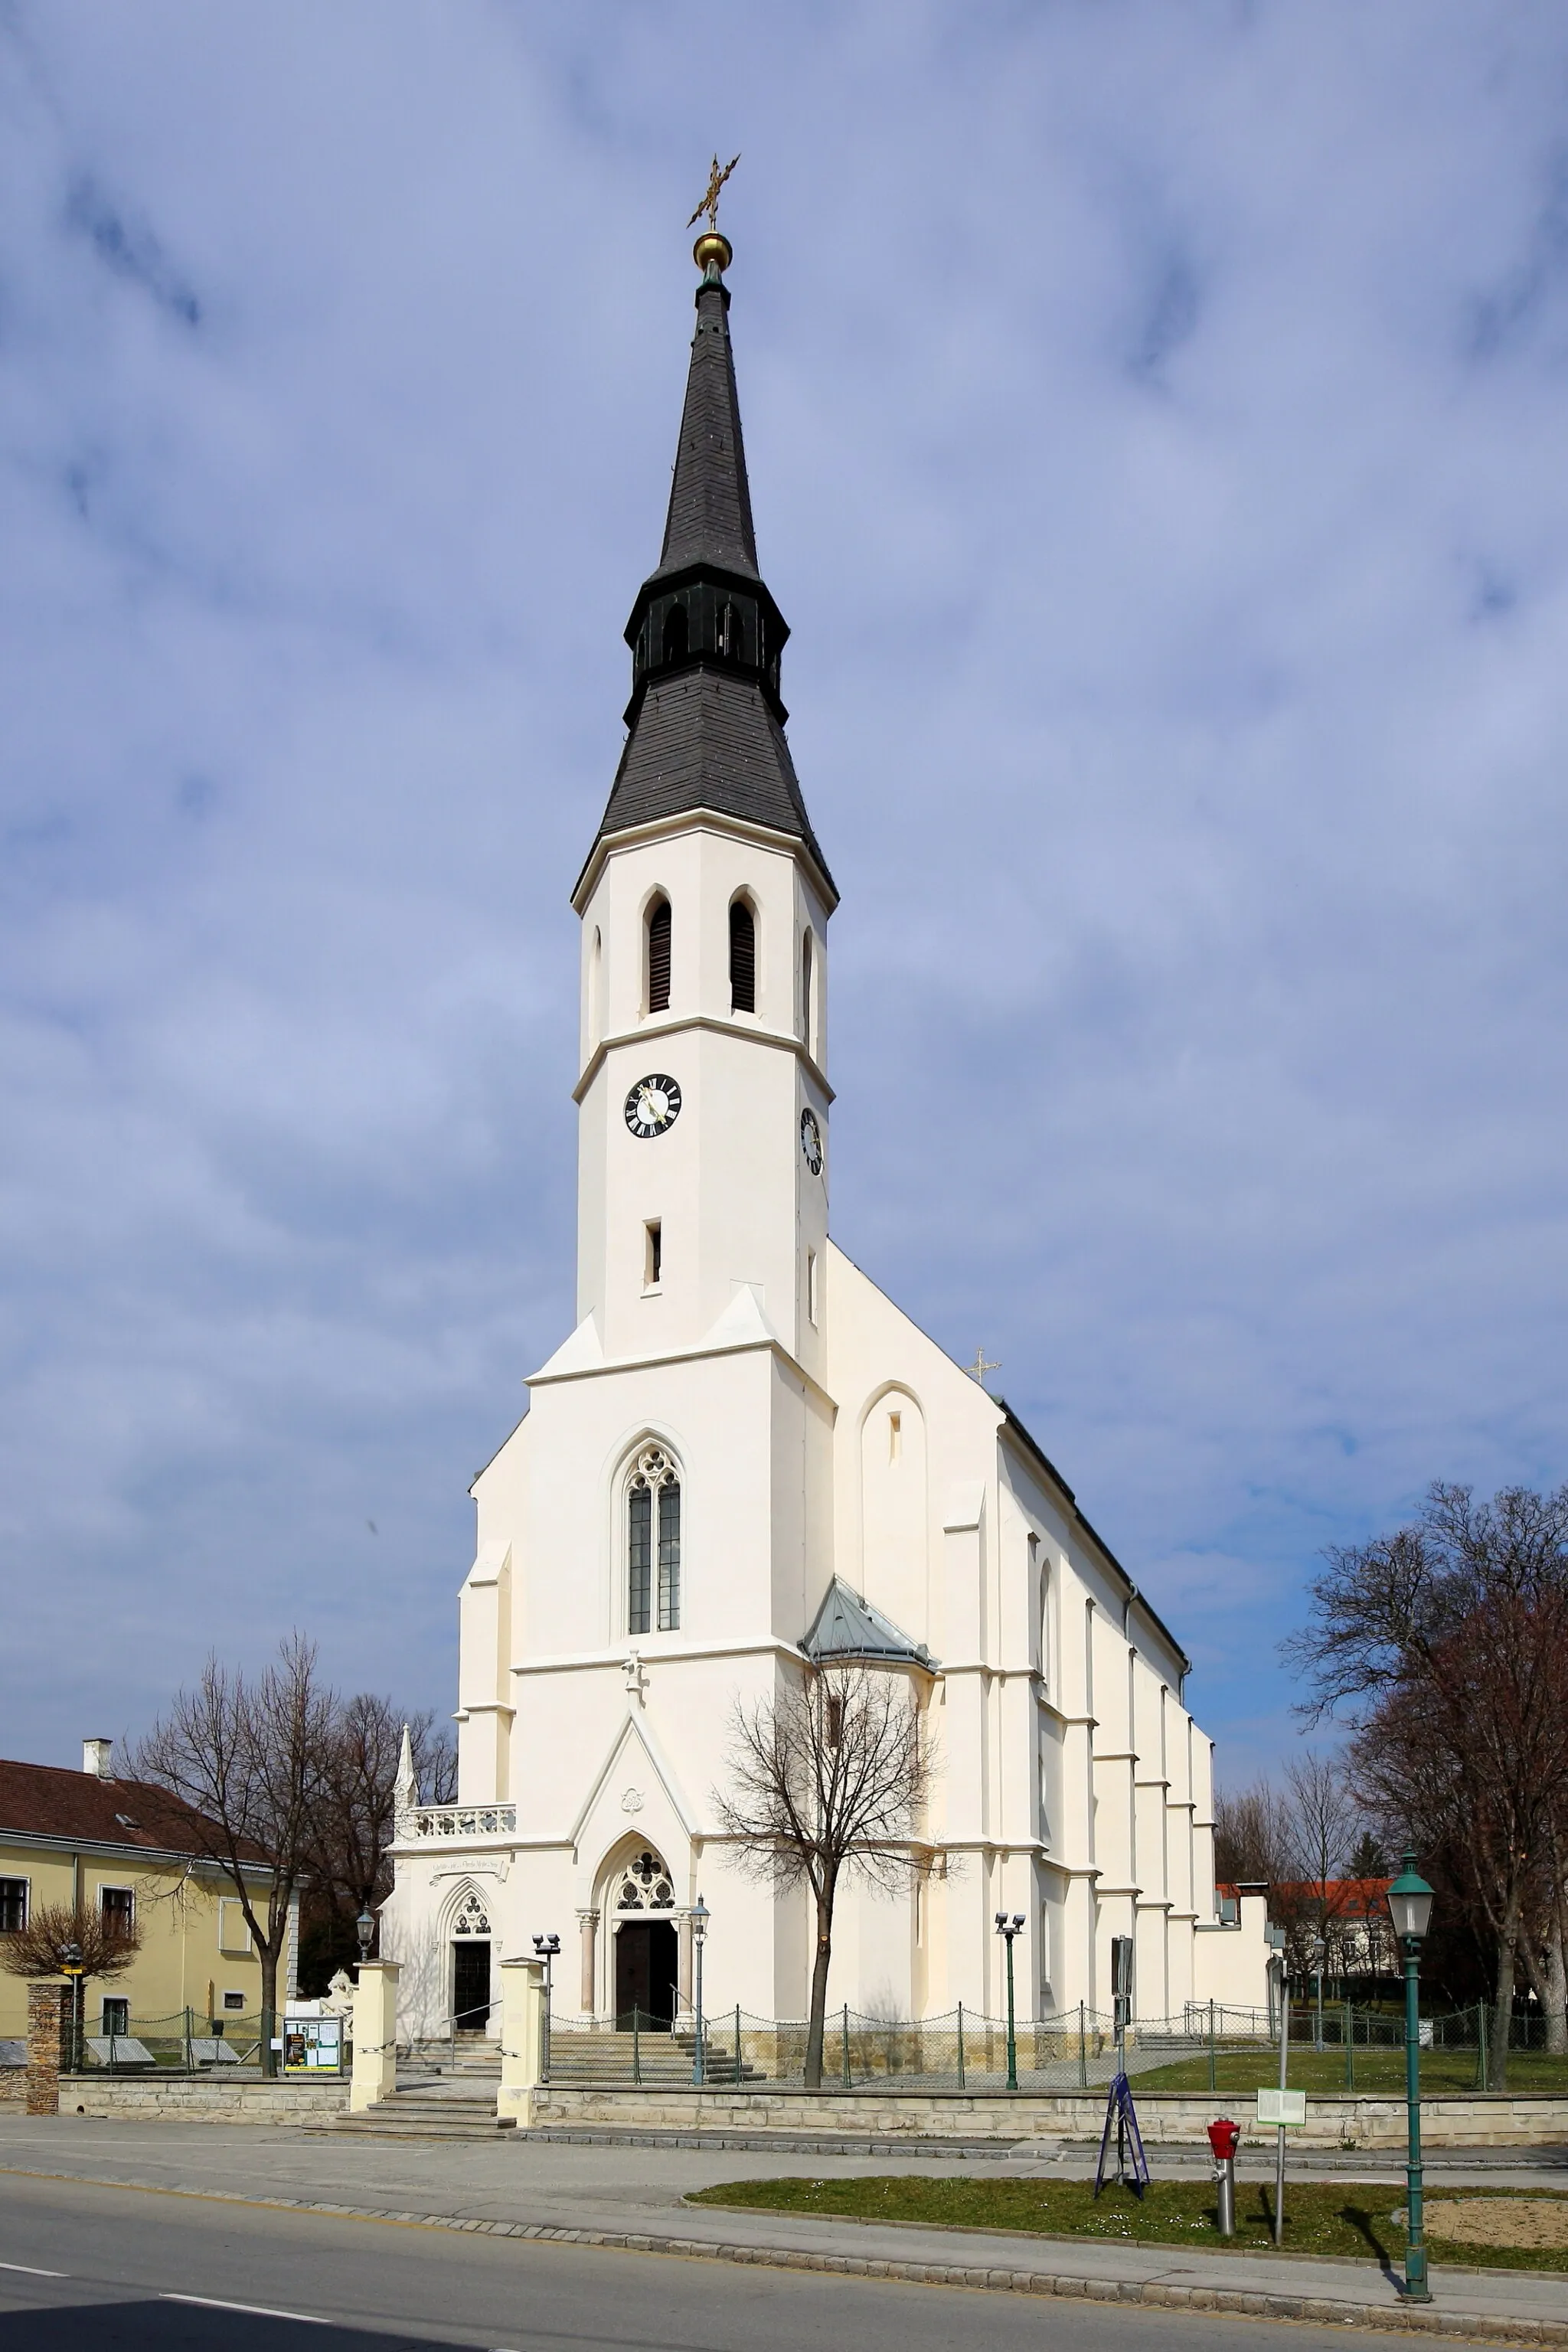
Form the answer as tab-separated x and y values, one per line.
1320	2218
1375	2070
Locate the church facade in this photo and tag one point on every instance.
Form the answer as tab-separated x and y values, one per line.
746	1458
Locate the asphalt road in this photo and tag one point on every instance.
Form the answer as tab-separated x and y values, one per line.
85	2268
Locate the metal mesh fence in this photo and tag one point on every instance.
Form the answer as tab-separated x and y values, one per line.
1208	2047
187	2041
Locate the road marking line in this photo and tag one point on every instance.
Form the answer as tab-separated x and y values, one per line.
33	2271
257	2310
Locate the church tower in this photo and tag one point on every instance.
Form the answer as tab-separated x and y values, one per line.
745	1464
704	905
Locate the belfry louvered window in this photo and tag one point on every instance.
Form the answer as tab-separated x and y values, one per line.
653	1545
674	642
658	956
742	958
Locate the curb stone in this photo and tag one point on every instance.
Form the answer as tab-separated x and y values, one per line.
1241	2302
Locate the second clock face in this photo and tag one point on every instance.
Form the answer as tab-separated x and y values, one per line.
653	1106
811	1141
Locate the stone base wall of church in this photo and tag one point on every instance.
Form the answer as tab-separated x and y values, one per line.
13	2086
198	2099
1336	2121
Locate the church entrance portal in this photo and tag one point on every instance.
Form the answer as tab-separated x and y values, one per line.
647	1957
471	1966
648	1950
471	1985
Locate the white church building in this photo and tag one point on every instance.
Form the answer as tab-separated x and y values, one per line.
745	1456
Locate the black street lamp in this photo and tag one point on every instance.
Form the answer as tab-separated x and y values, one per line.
547	1946
698	1937
1007	1928
73	1966
1410	1906
364	1928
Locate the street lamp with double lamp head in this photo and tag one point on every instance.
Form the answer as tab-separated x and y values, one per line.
1410	1907
1007	1928
547	1946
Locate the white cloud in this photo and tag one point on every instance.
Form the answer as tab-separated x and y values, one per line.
1155	419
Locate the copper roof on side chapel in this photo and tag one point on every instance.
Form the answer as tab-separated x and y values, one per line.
706	721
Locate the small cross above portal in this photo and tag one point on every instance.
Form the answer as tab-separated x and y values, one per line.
979	1368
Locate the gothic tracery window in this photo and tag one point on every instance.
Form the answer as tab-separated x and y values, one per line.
646	1884
472	1918
653	1544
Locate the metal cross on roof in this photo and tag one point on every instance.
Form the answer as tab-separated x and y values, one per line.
979	1368
709	205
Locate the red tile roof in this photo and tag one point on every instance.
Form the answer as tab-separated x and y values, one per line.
45	1800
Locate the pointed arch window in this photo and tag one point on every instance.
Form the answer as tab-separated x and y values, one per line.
729	632
658	956
742	958
653	1545
674	641
806	978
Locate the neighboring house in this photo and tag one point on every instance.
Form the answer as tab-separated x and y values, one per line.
1351	1915
129	1849
746	1460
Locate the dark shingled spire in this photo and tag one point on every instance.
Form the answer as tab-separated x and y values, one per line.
709	518
705	718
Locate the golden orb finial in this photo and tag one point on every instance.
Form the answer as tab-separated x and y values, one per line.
713	253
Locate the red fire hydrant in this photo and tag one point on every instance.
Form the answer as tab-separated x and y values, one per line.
1225	2138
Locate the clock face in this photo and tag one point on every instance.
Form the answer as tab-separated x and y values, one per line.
653	1106
811	1141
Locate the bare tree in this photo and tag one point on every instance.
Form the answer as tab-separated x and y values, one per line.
248	1755
1442	1644
1323	1817
92	1943
1252	1842
827	1783
353	1821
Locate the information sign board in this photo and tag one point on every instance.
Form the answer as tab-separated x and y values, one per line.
1282	2107
312	2045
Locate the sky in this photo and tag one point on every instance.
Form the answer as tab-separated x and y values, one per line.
1155	413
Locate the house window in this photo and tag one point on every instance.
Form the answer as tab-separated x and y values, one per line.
835	1720
233	1935
118	1906
653	1545
652	1255
658	956
12	1905
742	958
234	2001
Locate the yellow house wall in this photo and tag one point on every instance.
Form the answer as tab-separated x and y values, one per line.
176	1908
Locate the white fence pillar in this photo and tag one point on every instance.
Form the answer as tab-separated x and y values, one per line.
376	2034
521	2039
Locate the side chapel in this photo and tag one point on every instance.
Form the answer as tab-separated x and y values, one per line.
745	1457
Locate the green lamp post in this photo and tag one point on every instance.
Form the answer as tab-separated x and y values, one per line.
1410	1906
1007	1928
